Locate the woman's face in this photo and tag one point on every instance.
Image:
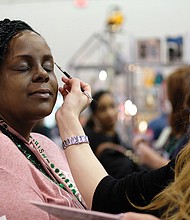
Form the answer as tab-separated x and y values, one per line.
27	80
106	112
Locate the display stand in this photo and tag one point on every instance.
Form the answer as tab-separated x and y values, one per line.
105	51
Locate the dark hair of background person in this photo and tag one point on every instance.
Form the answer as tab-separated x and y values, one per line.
178	88
94	106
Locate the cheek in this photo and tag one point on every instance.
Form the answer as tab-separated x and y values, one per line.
54	83
11	87
102	117
116	113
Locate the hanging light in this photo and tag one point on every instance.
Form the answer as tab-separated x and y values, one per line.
103	75
130	108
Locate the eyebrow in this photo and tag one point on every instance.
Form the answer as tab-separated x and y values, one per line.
26	56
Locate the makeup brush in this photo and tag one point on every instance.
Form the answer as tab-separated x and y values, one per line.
70	77
65	73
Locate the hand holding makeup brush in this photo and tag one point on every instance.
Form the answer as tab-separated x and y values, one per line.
74	99
70	77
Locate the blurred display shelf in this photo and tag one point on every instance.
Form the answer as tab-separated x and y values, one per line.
128	78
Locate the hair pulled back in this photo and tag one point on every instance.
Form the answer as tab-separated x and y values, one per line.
97	96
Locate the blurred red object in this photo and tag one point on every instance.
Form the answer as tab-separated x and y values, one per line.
80	3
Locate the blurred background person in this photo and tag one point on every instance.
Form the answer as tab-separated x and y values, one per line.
158	124
178	89
117	157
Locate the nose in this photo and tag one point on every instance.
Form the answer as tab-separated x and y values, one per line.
109	114
40	74
111	111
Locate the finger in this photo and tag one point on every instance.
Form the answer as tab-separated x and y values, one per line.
72	84
137	216
88	95
76	85
67	88
65	80
63	91
85	86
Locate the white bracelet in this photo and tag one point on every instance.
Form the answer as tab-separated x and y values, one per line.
74	140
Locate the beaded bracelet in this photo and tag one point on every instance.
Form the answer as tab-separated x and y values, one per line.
74	140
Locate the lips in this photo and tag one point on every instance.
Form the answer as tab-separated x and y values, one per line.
42	93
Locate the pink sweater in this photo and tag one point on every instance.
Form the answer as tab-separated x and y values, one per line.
21	182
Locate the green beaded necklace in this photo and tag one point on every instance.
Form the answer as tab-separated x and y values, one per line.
66	183
57	171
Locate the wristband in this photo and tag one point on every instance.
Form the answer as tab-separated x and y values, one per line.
74	140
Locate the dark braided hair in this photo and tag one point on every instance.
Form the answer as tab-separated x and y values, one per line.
8	29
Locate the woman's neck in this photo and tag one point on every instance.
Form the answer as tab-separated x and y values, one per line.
110	132
23	129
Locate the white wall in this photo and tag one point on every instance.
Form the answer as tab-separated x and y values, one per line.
66	27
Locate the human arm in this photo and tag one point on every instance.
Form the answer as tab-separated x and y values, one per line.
108	194
85	167
116	196
150	157
118	164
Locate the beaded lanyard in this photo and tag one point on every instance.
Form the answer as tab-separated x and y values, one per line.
66	183
58	172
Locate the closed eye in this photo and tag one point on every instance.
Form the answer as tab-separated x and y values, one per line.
48	66
48	69
23	69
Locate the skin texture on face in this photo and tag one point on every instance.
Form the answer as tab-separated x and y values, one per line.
106	113
27	81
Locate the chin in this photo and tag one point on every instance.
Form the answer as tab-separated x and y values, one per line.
44	112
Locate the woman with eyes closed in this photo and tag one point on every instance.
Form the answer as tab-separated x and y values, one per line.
32	167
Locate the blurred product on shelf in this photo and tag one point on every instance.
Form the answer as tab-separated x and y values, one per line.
114	19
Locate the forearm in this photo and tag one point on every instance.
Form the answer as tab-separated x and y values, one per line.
159	162
86	169
149	157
